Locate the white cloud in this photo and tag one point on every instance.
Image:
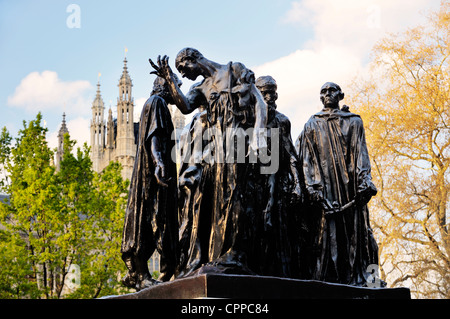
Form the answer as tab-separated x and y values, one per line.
45	91
80	130
344	35
298	14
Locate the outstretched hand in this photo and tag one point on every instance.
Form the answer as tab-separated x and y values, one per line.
162	67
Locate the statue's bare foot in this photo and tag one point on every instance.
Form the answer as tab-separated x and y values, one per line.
146	282
129	280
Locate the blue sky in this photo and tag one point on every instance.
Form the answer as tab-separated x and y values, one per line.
49	67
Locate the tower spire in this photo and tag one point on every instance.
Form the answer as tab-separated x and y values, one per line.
60	151
63	128
125	79
125	138
98	128
64	121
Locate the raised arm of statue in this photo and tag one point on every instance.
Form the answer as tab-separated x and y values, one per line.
163	70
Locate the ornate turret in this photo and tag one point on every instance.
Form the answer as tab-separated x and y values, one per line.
125	140
113	139
60	151
125	84
125	79
97	129
110	129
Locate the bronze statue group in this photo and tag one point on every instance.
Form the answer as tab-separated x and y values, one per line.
307	219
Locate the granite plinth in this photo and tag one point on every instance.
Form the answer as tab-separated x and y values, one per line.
259	287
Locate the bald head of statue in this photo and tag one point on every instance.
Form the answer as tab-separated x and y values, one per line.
330	95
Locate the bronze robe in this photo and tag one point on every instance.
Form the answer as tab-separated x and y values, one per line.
336	168
151	218
215	213
275	201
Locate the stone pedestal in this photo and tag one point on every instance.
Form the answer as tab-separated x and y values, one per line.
259	287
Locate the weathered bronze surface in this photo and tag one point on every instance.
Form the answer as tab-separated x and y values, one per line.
276	197
246	201
151	218
338	245
216	213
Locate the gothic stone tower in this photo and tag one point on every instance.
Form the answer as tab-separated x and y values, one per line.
114	140
125	140
97	131
60	152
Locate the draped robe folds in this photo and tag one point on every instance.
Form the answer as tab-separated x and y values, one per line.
276	199
151	218
214	217
333	152
191	233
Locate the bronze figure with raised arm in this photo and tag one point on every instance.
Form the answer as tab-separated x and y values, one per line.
220	219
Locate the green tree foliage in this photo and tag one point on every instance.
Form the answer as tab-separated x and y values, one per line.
58	219
16	275
5	151
101	265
